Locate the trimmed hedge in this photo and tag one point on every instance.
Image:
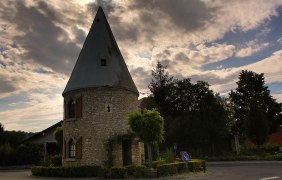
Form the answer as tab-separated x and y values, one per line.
194	165
118	172
56	160
136	171
180	167
76	171
167	169
155	163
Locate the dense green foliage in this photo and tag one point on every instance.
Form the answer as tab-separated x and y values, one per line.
58	136
118	172
13	150
154	163
56	160
196	119
180	167
251	87
77	171
110	145
136	171
149	128
168	155
256	125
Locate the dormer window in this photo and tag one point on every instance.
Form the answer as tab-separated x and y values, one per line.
103	62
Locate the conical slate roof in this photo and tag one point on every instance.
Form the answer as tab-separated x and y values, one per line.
100	63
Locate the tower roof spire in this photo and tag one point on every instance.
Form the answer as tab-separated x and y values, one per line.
100	63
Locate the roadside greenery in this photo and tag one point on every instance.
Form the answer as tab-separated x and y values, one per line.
149	128
256	113
13	151
196	119
58	136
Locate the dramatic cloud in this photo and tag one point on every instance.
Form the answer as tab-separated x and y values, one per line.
41	40
279	40
250	48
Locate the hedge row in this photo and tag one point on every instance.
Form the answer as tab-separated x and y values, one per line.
136	171
155	163
79	171
180	167
117	171
89	171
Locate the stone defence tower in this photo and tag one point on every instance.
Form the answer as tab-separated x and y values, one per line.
98	98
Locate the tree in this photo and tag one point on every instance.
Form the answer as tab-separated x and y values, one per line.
256	124
252	86
58	136
149	128
1	134
195	117
1	128
161	86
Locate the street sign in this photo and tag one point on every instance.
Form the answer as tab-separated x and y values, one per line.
185	157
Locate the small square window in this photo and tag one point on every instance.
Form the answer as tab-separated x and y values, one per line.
103	62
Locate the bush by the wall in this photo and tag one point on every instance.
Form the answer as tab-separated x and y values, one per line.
166	169
118	172
136	171
76	171
182	167
155	163
195	165
56	160
168	155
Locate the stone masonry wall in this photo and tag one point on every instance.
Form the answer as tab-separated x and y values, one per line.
98	125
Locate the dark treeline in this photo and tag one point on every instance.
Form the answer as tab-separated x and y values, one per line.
198	120
14	151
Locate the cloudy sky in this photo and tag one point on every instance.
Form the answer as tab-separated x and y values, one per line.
209	40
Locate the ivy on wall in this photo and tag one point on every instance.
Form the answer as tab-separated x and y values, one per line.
111	144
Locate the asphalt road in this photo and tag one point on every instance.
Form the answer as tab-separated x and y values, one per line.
216	170
244	171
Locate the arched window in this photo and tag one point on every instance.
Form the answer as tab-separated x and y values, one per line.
71	148
71	109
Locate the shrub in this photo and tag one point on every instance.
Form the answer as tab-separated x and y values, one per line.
56	160
182	167
169	156
195	166
118	172
166	169
136	171
155	163
76	171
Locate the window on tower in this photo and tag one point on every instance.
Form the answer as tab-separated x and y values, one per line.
71	147
103	62
71	108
